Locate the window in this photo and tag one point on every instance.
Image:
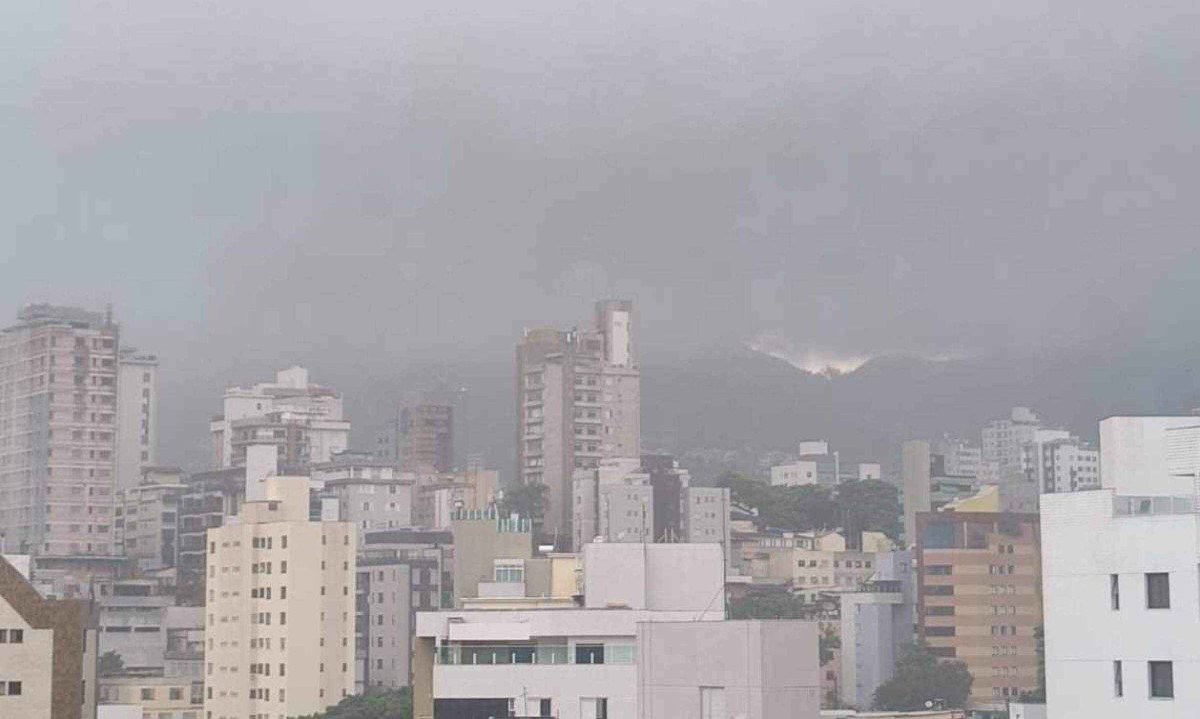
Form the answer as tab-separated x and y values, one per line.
1162	680
938	569
589	653
16	636
14	689
1114	591
175	693
1118	679
147	694
1158	590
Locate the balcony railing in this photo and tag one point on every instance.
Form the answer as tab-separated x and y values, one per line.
539	654
1149	506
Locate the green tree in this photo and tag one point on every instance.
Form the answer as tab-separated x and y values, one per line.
774	605
525	500
829	642
375	704
1038	696
110	664
869	505
922	677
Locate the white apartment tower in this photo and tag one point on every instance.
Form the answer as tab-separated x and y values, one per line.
578	402
137	416
1120	578
280	610
58	432
303	420
1003	443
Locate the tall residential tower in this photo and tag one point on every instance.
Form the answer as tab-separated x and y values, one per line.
58	432
578	401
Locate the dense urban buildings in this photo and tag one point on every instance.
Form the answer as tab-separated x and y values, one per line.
979	597
1121	578
303	421
646	500
280	608
578	402
875	625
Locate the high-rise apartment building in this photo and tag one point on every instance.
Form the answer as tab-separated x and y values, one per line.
979	598
1121	578
1003	439
280	610
578	402
58	433
419	438
137	415
304	421
1061	464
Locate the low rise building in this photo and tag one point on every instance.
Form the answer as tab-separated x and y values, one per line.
159	697
598	657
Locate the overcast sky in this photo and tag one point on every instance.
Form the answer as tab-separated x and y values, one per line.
414	178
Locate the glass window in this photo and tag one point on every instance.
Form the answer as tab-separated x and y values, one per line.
589	653
1114	590
1158	590
1162	680
1118	679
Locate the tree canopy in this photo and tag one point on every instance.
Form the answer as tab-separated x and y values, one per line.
392	704
526	500
857	506
922	677
110	664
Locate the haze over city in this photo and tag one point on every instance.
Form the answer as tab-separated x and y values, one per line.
837	275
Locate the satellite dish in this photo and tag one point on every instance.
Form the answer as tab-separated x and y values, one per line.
928	704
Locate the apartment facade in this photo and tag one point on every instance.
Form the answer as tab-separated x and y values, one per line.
137	415
147	518
876	623
578	402
1121	578
58	430
370	494
280	609
979	598
304	422
47	652
1061	464
646	500
209	499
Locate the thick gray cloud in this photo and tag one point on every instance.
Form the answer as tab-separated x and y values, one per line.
279	179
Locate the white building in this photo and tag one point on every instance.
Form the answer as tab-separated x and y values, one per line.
280	624
603	661
794	474
1121	581
1003	440
137	416
1057	462
303	420
621	500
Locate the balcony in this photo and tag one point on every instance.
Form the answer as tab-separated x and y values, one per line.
1153	506
535	654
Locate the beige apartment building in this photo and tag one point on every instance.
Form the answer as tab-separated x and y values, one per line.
47	652
979	597
280	609
578	402
137	415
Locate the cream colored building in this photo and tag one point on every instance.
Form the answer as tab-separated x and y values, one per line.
158	697
47	652
280	609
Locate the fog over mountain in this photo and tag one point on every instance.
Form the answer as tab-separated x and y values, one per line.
388	192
